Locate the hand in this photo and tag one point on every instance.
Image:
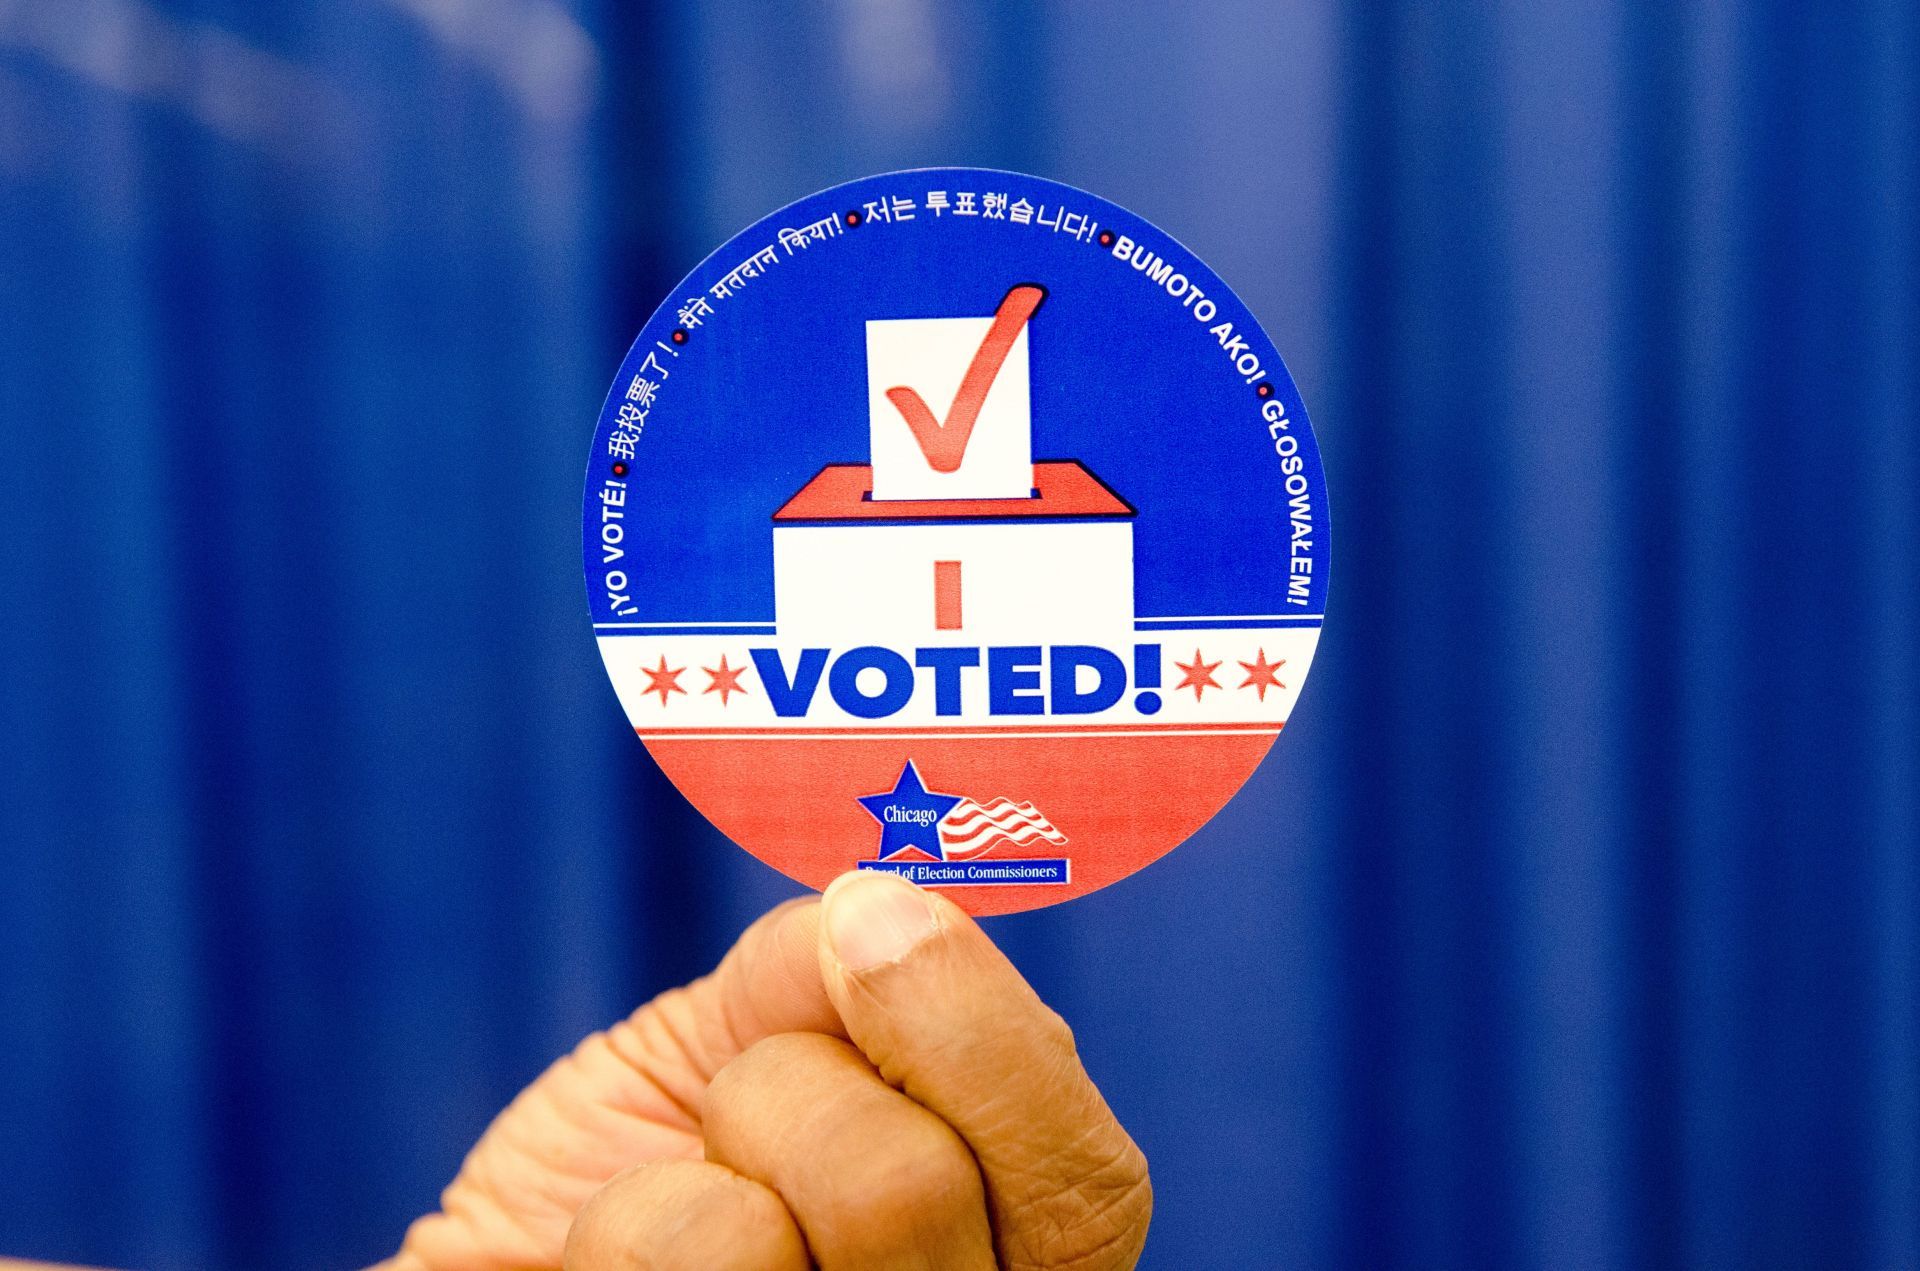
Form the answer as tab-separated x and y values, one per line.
864	1082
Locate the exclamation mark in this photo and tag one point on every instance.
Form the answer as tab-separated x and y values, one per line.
946	595
1146	677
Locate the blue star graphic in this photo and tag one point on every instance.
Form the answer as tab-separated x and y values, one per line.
910	815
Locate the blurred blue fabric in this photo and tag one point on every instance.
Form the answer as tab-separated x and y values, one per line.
1575	922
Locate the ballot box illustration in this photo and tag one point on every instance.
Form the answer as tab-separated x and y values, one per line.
849	565
987	545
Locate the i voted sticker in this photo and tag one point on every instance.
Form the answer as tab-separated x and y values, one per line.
961	524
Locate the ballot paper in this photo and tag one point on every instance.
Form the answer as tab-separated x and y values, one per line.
986	455
961	524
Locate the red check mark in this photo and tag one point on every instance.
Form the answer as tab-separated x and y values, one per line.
945	445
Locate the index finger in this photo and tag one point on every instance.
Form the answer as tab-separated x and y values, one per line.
947	1019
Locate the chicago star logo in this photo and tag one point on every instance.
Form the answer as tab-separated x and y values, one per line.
951	826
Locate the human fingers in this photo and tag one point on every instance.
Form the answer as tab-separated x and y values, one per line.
946	1018
684	1216
626	1095
874	1180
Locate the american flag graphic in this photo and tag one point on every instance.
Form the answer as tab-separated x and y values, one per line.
972	827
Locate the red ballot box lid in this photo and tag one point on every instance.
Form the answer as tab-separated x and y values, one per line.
843	492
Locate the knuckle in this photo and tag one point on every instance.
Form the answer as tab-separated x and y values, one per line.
925	1181
600	1239
783	1052
761	1066
928	1162
1058	1035
1097	1220
672	1214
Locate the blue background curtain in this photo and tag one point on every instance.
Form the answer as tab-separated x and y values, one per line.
1574	923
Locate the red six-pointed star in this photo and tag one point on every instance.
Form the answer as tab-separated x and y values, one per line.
1260	674
662	680
1199	676
724	681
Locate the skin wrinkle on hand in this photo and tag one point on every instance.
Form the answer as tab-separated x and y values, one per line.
639	1099
653	1027
626	1044
1096	1197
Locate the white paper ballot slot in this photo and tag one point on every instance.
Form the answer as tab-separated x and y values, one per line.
948	404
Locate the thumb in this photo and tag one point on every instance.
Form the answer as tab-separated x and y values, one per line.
946	1018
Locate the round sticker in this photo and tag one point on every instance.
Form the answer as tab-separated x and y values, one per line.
957	523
